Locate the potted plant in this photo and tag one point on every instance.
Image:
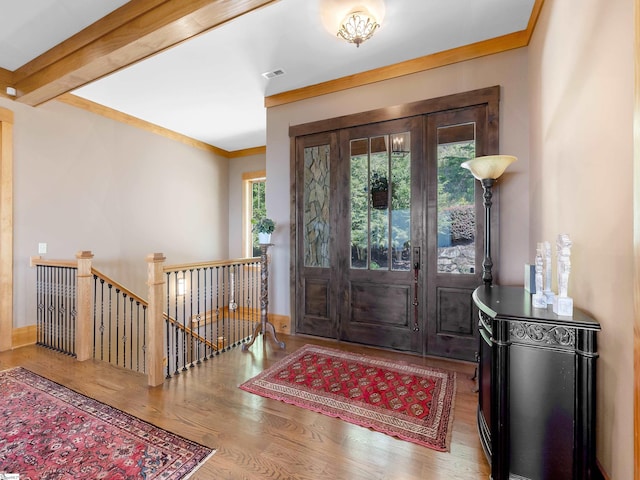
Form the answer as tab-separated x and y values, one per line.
379	191
264	227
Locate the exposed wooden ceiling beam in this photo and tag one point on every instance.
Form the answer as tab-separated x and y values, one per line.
135	31
6	80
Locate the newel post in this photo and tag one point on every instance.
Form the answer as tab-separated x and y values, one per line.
155	275
84	324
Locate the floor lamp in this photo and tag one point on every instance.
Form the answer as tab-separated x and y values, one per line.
487	169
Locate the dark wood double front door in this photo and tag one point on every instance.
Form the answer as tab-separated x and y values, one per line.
388	231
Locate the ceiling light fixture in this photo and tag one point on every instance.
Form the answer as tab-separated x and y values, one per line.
358	27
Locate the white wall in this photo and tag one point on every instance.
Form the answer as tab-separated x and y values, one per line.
506	69
581	184
238	166
84	182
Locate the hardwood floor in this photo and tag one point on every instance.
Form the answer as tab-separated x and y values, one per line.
258	438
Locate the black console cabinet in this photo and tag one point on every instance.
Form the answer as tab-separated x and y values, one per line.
537	374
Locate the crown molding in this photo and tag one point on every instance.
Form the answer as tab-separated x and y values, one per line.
455	55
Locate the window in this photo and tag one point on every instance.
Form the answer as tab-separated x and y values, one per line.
253	208
380	178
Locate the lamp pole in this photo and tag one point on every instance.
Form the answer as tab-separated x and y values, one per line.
487	263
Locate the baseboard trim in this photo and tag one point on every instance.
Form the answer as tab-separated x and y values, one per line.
282	323
23	336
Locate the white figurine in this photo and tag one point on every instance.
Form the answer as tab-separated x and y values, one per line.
563	304
539	299
548	273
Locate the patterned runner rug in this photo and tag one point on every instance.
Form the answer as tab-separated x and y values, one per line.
50	432
408	401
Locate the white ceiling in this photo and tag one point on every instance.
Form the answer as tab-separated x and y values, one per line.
210	88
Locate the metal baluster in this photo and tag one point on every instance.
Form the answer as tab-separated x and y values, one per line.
204	330
68	312
138	336
131	333
214	340
117	339
186	340
124	330
52	308
101	319
198	308
243	289
37	304
225	316
62	308
144	339
218	311
110	287
95	313
188	322
56	334
168	324
177	334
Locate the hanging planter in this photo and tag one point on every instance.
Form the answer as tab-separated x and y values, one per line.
379	191
380	199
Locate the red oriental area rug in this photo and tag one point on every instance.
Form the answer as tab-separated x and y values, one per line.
50	432
408	401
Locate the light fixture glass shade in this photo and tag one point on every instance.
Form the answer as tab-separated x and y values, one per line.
357	27
490	166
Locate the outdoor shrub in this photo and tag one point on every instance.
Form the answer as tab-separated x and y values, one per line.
463	223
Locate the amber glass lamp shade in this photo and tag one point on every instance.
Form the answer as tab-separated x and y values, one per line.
490	166
487	169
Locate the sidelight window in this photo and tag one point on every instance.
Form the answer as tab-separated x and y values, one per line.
316	206
456	204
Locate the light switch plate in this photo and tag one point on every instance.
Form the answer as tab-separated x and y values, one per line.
42	248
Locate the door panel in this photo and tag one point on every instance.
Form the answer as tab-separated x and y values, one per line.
382	221
380	304
455	312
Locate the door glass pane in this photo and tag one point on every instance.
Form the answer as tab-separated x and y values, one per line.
379	213
359	203
456	205
401	201
316	206
379	233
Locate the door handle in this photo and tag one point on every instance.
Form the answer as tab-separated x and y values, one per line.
416	269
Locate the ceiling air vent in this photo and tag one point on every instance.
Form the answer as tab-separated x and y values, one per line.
275	73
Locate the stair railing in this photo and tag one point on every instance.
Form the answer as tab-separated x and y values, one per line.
195	311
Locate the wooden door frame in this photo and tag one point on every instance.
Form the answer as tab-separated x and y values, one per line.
488	95
6	229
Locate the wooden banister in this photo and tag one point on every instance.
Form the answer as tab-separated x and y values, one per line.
219	263
36	261
119	286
